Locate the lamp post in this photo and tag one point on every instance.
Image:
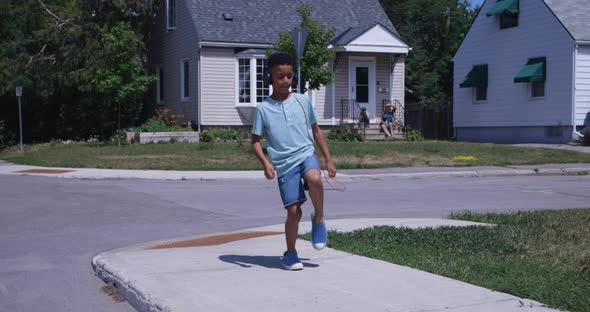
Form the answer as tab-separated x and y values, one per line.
19	94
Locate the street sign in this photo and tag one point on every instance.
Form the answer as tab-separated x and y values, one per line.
299	36
19	91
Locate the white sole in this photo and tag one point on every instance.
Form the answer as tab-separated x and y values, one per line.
294	267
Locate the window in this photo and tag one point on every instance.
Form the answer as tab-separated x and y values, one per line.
252	88
481	94
537	89
262	89
244	81
171	14
184	80
160	86
508	20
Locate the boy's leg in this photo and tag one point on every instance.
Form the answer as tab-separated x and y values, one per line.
292	226
316	193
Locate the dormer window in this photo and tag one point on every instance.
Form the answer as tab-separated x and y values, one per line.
171	9
508	20
507	12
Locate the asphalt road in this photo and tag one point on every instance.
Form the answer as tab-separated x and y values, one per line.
50	228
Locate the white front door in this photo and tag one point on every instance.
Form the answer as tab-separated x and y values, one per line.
362	84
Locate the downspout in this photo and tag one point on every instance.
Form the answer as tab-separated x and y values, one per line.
575	133
199	83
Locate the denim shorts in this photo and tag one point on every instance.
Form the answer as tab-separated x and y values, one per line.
290	183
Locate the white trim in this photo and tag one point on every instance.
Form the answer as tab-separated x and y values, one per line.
200	89
182	82
168	15
333	94
233	45
574	82
372	104
253	82
373	49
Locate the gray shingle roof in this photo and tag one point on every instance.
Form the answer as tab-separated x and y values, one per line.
574	15
260	21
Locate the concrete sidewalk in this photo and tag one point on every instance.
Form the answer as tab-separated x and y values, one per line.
246	275
343	175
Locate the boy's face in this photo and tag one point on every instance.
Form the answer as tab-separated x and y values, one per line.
282	78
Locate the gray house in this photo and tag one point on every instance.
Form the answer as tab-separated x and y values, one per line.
522	73
209	57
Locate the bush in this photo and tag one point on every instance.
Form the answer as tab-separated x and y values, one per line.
344	133
413	135
223	134
159	125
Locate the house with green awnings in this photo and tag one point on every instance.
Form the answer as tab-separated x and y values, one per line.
522	73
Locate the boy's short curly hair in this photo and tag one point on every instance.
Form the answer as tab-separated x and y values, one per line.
280	58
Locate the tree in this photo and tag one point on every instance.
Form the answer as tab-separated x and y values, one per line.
434	29
315	68
68	55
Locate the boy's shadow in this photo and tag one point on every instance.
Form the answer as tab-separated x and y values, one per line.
270	262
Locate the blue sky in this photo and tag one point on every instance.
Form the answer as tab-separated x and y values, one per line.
475	2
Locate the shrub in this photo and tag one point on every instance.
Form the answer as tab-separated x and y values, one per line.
413	135
344	133
223	134
159	125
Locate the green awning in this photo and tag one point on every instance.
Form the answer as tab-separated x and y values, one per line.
477	77
534	70
504	7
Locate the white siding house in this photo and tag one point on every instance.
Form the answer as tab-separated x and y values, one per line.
538	73
221	44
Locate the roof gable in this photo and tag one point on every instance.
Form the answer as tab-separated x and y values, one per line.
373	39
254	23
574	15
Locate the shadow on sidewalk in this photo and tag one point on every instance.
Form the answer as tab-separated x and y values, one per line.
270	262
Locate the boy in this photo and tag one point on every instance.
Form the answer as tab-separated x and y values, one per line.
287	120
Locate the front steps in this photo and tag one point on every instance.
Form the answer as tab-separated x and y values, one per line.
374	132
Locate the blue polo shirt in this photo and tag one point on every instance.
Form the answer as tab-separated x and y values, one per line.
287	128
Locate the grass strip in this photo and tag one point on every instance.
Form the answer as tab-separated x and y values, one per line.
239	156
544	255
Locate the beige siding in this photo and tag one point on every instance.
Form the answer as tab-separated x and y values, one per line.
582	85
399	83
506	51
218	88
169	48
322	99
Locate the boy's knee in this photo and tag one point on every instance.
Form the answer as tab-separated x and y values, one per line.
294	213
314	179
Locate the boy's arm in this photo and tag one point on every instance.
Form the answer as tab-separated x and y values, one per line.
321	141
269	171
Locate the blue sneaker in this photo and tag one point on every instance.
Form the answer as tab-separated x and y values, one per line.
291	262
319	234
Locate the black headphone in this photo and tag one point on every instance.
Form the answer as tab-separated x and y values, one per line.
267	75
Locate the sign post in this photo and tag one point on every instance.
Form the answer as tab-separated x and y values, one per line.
19	94
299	36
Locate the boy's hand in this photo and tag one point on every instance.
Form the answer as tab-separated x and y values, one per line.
331	169
269	172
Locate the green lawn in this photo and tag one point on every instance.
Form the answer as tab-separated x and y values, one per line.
544	256
235	156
